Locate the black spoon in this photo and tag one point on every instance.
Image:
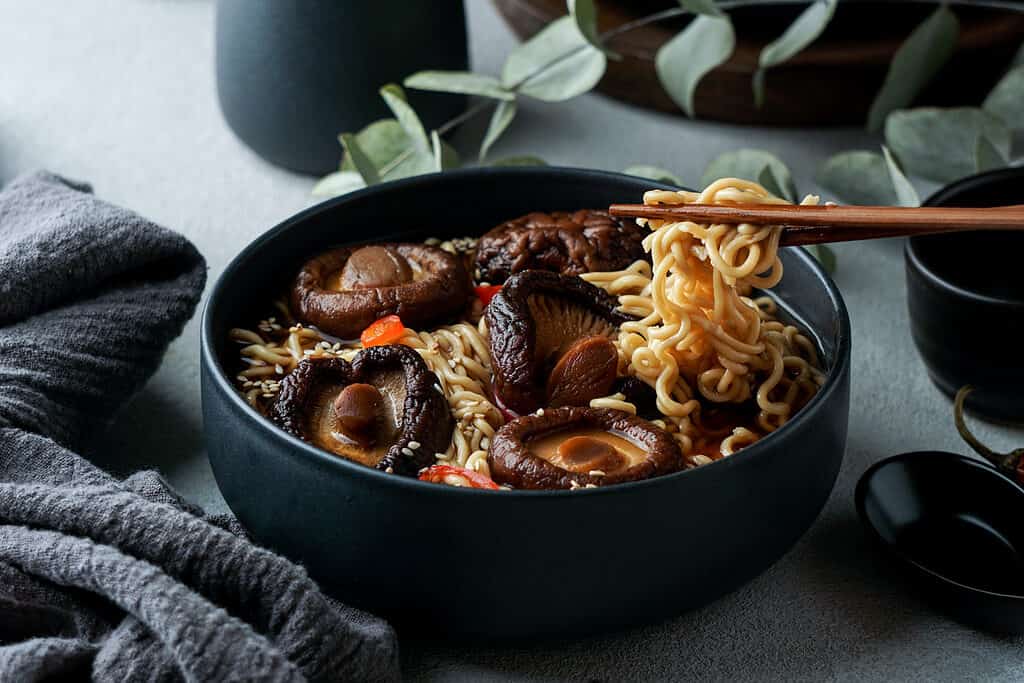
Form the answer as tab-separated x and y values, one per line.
957	525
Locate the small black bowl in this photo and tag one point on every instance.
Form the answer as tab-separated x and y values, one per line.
511	563
965	294
955	524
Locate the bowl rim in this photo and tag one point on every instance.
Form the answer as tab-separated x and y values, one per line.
298	448
860	497
943	197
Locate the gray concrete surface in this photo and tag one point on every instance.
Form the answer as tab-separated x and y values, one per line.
121	93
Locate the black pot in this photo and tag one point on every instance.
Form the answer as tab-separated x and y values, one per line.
513	563
965	295
292	75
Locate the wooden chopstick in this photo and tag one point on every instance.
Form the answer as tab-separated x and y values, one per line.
837	223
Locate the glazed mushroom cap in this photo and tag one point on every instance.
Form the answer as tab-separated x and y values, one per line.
572	447
382	410
570	243
344	290
550	338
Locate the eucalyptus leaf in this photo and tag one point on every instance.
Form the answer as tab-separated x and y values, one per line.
654	173
460	82
858	177
685	59
445	156
1007	99
556	64
766	178
804	30
520	161
987	157
941	144
362	163
755	165
915	63
906	195
500	120
338	183
406	116
825	256
384	141
585	14
707	7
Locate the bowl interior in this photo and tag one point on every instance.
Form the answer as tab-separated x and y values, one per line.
949	515
470	202
977	263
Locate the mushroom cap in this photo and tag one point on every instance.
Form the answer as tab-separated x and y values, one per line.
535	319
414	411
439	290
570	243
529	452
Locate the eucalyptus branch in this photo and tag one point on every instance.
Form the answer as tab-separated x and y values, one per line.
931	143
444	128
487	104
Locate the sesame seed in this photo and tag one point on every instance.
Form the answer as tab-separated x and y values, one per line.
414	445
590	486
596	473
390	470
406	451
278	369
540	412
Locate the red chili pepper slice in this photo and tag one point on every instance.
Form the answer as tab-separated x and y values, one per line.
387	330
486	292
440	474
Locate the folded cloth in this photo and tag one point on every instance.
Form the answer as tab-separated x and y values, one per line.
124	580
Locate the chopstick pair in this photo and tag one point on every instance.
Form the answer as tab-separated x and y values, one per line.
804	225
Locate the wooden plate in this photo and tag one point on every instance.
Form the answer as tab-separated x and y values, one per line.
832	82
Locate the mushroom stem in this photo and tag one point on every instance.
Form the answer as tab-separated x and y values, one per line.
1008	462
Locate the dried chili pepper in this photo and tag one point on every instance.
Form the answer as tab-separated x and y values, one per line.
457	476
1011	464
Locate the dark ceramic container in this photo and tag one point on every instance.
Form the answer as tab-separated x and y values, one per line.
953	523
515	563
965	294
292	75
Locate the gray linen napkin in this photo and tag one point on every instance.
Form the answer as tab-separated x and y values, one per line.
124	580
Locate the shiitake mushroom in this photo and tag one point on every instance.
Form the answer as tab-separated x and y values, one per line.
642	395
562	242
550	338
344	290
573	447
382	410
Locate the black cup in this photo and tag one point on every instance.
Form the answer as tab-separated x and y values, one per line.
293	74
965	294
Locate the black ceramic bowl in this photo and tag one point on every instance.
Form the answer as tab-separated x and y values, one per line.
513	563
954	524
965	294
